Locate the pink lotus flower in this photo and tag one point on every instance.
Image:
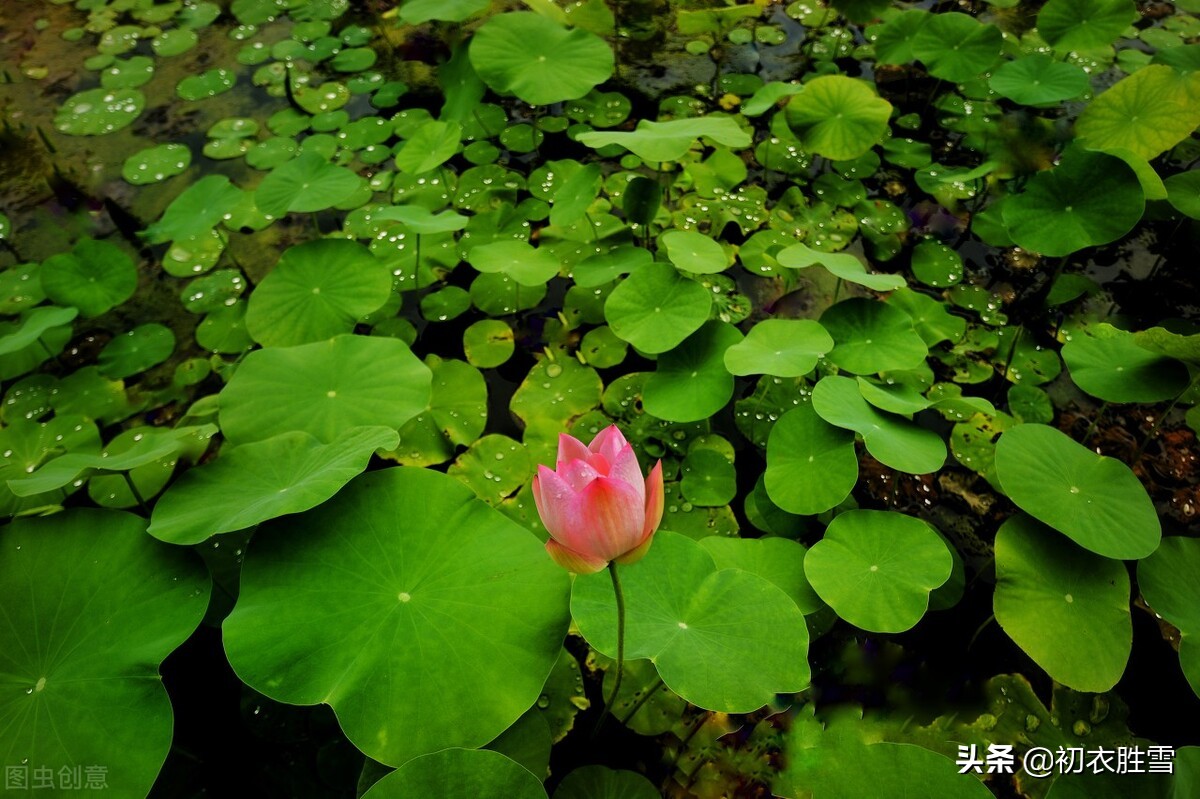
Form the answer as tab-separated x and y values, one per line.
595	503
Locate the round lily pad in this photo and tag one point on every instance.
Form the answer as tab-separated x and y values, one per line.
488	343
537	59
811	465
957	47
196	211
95	276
1095	501
871	336
838	117
691	382
251	483
156	163
1067	608
936	265
519	260
1089	199
95	112
599	782
137	350
206	84
656	308
174	42
1145	113
1038	79
317	290
71	694
324	388
441	584
459	774
695	252
726	640
306	183
1108	363
781	347
876	569
455	416
1084	24
779	560
893	440
128	73
429	147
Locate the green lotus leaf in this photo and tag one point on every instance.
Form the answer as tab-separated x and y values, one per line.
1084	24
488	343
459	774
538	60
694	252
1108	363
81	650
767	95
606	267
432	145
174	42
317	290
1039	80
893	440
957	47
128	73
420	219
1067	608
779	560
898	398
306	183
656	308
726	640
196	211
641	200
931	319
34	325
324	388
1170	344
691	382
255	482
353	59
416	12
137	350
155	164
599	782
871	336
1183	192
876	569
894	42
841	265
519	260
24	445
146	476
95	112
95	276
1089	199
1095	501
456	415
838	117
1167	582
936	264
659	142
386	600
780	347
1146	113
811	465
206	84
707	478
575	196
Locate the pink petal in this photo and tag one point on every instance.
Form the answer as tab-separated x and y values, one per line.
572	561
608	442
555	501
571	449
577	474
613	515
654	500
626	469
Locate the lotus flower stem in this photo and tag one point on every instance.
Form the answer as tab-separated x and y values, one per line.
136	494
616	689
651	691
1141	450
1095	421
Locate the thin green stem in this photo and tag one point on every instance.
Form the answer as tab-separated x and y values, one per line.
612	695
136	494
1141	450
1092	427
645	698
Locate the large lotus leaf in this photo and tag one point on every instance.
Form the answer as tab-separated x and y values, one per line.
838	117
94	277
893	440
1067	608
894	42
658	142
780	347
1095	501
416	12
779	560
1038	79
1089	199
252	483
841	265
137	350
521	261
324	389
876	569
1167	580
459	774
1183	192
34	325
957	47
306	183
92	606
538	60
1146	113
598	782
23	447
656	308
691	382
456	416
1107	362
1084	24
387	600
196	211
725	640
811	465
1170	344
317	290
694	252
871	336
